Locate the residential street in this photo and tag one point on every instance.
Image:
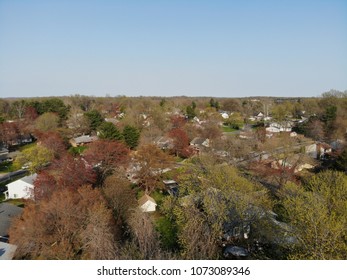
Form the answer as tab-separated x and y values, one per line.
7	176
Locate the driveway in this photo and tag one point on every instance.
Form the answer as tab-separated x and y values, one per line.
7	212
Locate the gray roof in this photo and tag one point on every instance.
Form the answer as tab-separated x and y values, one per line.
7	212
85	139
29	179
169	182
197	141
7	251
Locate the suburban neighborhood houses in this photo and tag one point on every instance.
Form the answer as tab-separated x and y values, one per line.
184	177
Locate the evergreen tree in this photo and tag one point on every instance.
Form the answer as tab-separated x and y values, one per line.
190	112
95	119
131	136
109	131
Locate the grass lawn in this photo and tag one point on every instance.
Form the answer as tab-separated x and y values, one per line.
6	167
27	146
77	150
228	129
17	202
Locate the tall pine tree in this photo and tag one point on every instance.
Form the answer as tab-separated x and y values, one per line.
131	136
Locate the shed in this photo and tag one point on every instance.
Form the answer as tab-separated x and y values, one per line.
147	203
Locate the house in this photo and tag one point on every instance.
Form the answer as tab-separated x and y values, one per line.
21	188
164	143
323	150
82	140
224	114
3	151
112	120
147	203
290	163
199	143
276	127
311	150
171	186
26	139
318	150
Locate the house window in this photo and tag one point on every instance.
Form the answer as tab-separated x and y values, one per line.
15	195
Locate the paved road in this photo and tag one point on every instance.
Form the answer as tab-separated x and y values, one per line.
8	176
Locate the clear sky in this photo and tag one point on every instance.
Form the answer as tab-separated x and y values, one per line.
172	47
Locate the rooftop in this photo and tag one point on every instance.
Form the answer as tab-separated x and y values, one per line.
29	179
146	198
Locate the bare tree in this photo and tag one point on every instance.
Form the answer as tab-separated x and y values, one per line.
143	234
70	225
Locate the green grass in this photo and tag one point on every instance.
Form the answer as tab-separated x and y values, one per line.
228	129
6	167
179	159
2	197
27	146
17	202
168	232
77	150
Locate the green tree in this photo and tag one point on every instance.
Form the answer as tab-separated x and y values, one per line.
47	122
235	121
131	136
212	197
190	112
36	158
95	119
329	118
279	112
214	104
167	232
109	131
318	216
55	105
50	105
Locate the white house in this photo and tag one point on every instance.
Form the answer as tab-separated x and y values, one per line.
224	115
21	188
147	203
279	127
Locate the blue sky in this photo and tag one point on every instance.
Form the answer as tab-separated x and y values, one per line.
172	47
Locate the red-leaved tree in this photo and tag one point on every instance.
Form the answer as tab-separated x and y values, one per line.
53	141
180	142
64	173
106	156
